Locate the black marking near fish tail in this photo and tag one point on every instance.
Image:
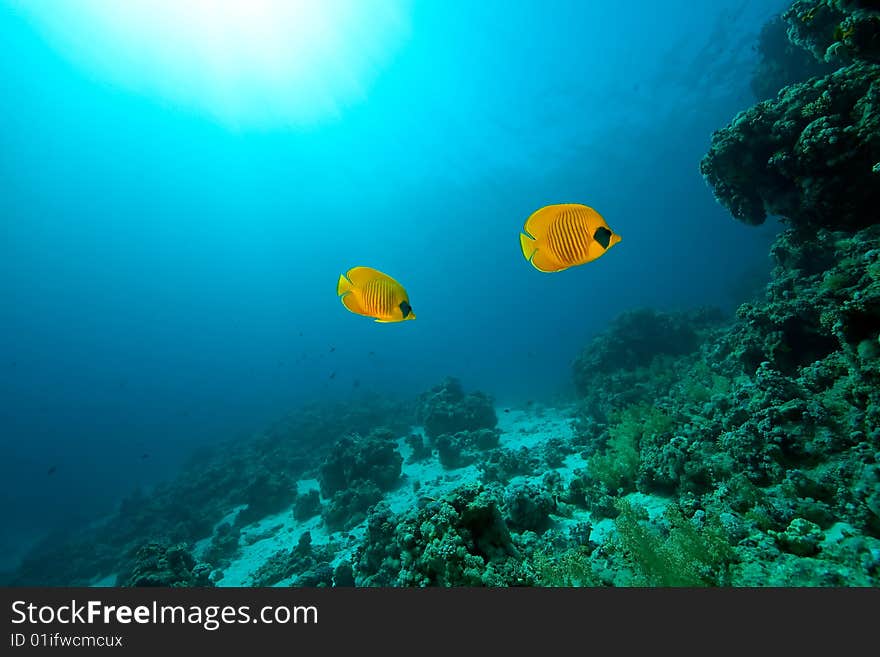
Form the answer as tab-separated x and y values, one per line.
602	236
405	308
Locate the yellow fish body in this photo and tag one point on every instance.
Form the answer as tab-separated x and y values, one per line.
557	237
368	292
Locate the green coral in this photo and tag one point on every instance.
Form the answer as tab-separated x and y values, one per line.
571	568
684	556
618	466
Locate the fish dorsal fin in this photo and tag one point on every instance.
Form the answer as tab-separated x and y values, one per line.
538	224
360	276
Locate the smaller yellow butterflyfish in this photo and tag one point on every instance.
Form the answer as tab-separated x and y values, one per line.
368	292
557	237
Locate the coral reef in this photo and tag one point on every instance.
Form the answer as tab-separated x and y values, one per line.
628	362
528	507
446	409
420	450
355	474
355	459
210	484
266	493
502	465
349	506
461	540
307	565
781	62
464	447
224	545
836	30
158	564
307	505
810	156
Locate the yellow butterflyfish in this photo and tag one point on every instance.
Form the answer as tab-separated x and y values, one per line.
368	292
557	237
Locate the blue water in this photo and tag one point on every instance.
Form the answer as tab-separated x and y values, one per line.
168	275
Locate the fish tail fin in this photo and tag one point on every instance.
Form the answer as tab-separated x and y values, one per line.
343	285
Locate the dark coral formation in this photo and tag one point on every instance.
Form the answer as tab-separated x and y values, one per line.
769	430
268	492
356	473
446	409
836	30
781	63
158	564
307	505
811	156
420	450
463	447
612	364
306	564
528	507
224	545
460	540
502	465
354	459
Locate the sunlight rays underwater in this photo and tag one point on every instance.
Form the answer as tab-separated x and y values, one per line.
259	64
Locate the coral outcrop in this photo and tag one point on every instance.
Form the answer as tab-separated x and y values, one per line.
461	540
446	409
836	30
356	473
158	564
811	156
781	62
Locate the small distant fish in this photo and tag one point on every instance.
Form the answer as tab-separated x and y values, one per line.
368	292
372	353
145	456
529	402
332	375
356	384
51	470
300	334
332	349
507	410
557	237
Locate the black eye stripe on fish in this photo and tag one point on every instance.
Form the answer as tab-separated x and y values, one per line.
602	236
